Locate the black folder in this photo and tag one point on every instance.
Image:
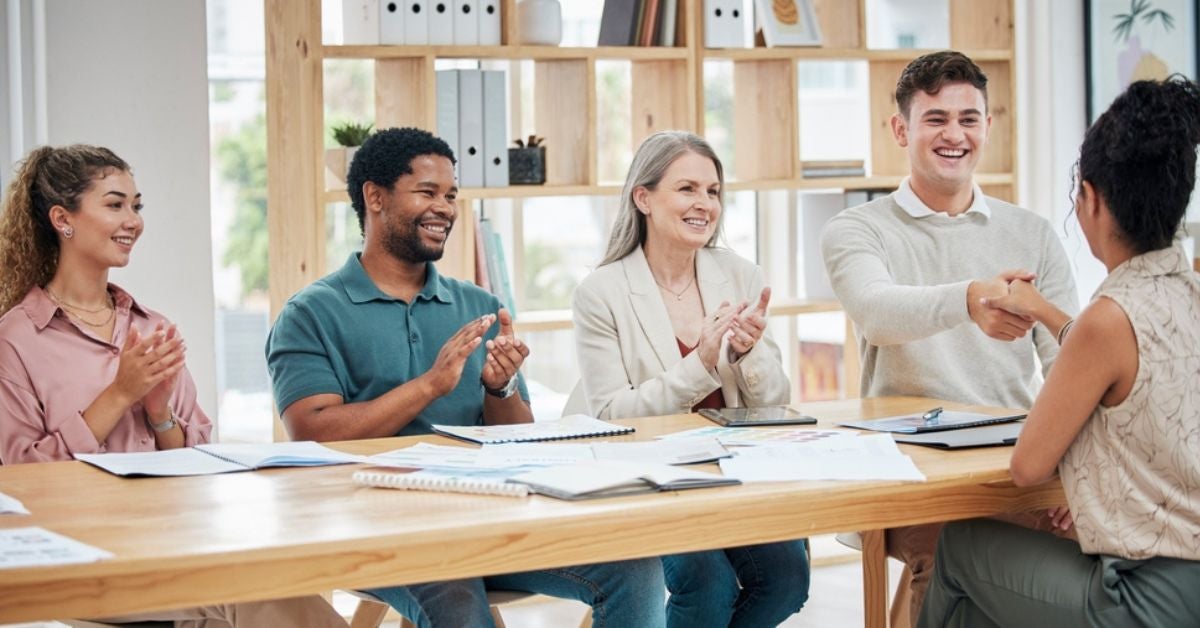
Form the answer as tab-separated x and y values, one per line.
986	436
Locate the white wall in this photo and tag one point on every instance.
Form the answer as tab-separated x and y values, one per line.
132	75
1052	119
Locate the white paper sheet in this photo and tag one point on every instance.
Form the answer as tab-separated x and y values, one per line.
425	455
10	505
752	436
675	451
167	463
38	547
871	457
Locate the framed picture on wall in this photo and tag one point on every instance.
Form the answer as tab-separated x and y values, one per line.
1131	40
788	22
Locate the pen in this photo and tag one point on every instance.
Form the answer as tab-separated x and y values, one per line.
932	415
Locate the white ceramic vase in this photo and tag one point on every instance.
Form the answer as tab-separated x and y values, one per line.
539	22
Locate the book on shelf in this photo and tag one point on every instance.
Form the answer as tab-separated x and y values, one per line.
482	279
582	480
647	34
216	458
618	22
499	283
832	168
570	426
667	23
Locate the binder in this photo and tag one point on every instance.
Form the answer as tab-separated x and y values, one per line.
416	22
495	130
447	114
618	23
815	211
724	23
666	32
441	22
360	22
470	128
489	22
466	22
391	22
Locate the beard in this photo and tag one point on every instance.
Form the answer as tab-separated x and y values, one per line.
403	241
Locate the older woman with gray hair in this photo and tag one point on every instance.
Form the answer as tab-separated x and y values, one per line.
670	323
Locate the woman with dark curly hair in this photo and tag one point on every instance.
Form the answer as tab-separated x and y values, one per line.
1119	415
84	368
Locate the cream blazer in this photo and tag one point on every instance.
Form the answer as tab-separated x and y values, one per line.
629	361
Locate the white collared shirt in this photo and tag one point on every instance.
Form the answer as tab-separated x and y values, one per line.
909	202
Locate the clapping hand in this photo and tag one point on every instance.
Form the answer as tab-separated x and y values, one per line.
447	369
505	354
148	368
714	329
748	327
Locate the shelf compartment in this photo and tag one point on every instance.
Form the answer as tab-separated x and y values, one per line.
659	98
405	93
765	116
631	53
564	100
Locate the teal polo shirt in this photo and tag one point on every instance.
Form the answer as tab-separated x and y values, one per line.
342	335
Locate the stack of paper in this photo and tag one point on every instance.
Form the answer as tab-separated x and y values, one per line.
873	457
38	547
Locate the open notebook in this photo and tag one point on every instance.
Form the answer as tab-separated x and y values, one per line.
570	426
585	480
218	458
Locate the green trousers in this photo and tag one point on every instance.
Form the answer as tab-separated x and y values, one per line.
990	573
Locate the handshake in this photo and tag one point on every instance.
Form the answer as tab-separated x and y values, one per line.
1007	306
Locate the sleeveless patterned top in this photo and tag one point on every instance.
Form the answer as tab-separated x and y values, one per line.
1132	476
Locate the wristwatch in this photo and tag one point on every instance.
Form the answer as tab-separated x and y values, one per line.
165	426
504	392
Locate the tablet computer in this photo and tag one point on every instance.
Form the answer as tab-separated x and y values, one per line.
764	415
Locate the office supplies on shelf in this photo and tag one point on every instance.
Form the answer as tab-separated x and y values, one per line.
570	426
917	423
10	505
391	22
470	128
466	22
416	22
446	113
985	436
215	458
495	129
611	478
39	547
762	415
489	23
360	22
724	24
750	436
618	22
441	23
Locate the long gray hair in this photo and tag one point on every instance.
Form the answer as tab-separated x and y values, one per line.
653	157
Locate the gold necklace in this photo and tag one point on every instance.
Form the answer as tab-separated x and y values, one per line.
73	310
678	295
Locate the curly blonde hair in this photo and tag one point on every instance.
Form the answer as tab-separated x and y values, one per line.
48	177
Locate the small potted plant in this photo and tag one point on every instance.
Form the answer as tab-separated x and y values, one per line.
349	136
527	162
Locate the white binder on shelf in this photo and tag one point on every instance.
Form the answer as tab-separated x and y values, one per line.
360	22
391	22
466	22
489	22
495	130
724	24
441	22
816	209
416	22
447	114
470	128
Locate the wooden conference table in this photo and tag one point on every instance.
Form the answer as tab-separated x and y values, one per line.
182	542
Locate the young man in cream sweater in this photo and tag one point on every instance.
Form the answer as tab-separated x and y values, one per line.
911	270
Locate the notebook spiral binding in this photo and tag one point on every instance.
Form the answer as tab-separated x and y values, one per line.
418	482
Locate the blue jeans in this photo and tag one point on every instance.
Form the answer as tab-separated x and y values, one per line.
622	594
705	589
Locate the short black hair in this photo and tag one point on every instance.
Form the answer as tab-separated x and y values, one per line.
1140	156
929	73
385	157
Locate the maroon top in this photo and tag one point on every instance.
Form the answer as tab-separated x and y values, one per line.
714	399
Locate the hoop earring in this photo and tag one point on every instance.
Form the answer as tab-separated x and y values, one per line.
68	232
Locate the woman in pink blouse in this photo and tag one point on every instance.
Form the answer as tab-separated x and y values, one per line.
84	368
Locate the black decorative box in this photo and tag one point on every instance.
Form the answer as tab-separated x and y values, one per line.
527	166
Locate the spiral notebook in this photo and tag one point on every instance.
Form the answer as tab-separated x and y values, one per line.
477	481
607	478
212	458
570	426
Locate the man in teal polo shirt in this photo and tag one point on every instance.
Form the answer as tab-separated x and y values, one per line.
387	346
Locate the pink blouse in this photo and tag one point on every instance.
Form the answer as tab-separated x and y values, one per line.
52	369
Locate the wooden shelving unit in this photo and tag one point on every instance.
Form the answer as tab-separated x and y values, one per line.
667	84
